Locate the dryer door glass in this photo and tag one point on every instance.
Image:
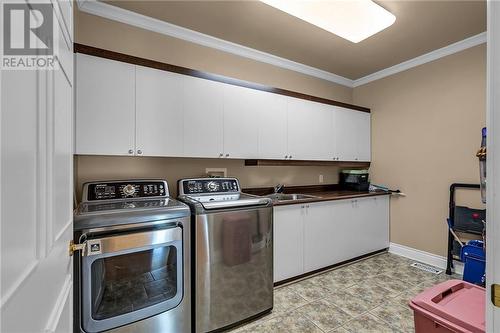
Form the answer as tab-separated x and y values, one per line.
129	282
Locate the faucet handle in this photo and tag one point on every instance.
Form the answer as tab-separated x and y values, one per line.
279	188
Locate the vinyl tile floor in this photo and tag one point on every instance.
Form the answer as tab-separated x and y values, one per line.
370	295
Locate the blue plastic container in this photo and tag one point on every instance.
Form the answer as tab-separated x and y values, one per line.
474	259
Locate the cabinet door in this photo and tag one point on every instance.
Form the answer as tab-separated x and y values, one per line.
159	121
309	130
105	106
352	135
273	127
241	121
288	242
203	117
326	234
372	221
363	130
344	123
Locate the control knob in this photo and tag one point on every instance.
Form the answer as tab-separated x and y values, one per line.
212	186
129	190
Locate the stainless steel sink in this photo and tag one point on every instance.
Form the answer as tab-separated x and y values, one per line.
288	197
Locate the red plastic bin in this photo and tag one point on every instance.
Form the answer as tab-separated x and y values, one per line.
452	306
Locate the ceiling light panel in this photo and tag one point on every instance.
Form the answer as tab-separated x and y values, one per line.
354	20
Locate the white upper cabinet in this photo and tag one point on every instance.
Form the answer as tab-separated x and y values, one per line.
203	117
105	106
123	109
159	120
363	126
309	130
241	121
272	127
352	135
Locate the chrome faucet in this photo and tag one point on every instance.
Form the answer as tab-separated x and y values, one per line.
279	188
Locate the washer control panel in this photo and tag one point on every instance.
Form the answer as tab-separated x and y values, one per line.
112	190
208	185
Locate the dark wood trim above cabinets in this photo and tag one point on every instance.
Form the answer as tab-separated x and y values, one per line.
94	51
343	164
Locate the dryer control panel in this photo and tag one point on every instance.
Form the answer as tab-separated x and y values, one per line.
97	191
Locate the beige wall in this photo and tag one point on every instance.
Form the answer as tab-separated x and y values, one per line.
111	35
426	125
172	169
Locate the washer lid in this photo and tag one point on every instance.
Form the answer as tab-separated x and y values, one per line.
100	214
230	201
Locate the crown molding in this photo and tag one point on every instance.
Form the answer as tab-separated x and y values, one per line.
111	12
148	23
425	58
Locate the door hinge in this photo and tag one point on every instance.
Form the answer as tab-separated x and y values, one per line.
76	247
495	294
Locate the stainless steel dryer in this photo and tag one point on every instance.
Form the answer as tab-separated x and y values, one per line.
232	252
133	270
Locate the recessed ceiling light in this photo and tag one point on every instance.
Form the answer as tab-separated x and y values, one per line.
353	20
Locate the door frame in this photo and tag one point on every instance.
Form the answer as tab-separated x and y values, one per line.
493	162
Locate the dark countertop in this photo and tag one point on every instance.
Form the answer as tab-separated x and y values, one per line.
321	192
329	196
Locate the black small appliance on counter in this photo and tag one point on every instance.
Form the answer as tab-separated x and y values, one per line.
355	180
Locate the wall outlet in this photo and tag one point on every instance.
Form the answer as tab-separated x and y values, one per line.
320	179
216	172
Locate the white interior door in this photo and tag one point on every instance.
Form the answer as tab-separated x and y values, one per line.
159	120
36	199
493	166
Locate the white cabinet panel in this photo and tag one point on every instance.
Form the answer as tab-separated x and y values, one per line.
372	220
321	235
345	133
272	127
288	242
309	130
159	120
363	127
241	121
352	135
203	117
105	106
328	233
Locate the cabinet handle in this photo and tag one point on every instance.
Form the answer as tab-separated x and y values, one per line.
286	157
221	154
130	151
227	155
290	157
139	152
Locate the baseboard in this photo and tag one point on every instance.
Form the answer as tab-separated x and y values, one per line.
424	257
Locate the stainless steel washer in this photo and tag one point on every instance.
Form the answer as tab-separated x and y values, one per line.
133	272
233	247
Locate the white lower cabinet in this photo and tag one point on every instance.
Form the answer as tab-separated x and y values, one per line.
288	242
312	236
